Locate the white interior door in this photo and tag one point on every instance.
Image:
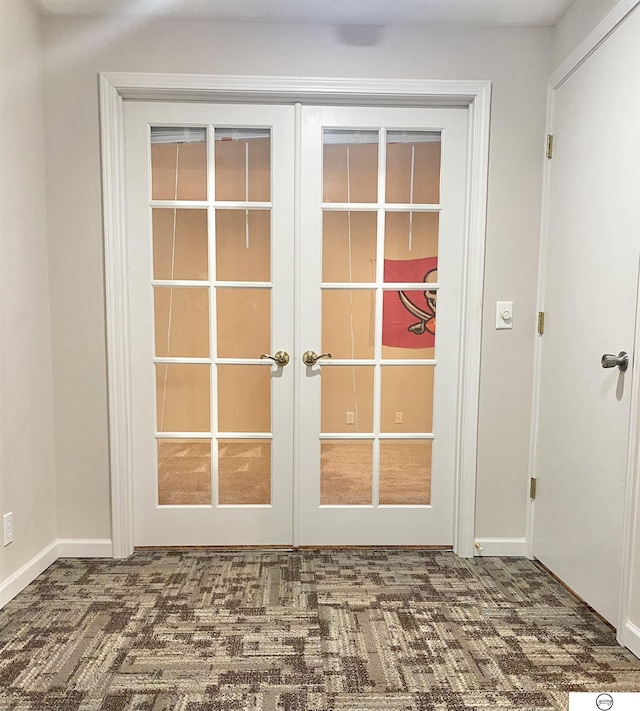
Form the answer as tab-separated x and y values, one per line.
590	309
211	215
210	224
383	214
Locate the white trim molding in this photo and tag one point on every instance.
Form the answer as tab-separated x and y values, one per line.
84	548
17	582
629	636
116	87
589	45
60	548
503	547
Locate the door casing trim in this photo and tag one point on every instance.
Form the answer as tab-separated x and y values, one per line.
116	87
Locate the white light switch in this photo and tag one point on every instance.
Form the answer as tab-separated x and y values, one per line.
504	314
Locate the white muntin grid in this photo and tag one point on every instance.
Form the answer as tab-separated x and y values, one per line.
212	206
381	207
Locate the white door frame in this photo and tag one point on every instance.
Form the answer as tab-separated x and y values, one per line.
115	88
627	633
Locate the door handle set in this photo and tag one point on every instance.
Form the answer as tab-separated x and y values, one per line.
611	361
281	358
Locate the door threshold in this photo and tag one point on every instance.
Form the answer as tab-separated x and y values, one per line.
294	548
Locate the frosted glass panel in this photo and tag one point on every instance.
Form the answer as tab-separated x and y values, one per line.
350	166
345	472
182	322
243	245
179	168
244	471
349	246
180	244
348	324
243	164
405	471
244	398
184	472
243	322
347	398
182	397
413	167
407	391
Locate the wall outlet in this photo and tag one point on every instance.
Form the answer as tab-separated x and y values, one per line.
351	418
7	520
398	418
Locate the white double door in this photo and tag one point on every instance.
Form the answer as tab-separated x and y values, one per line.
258	234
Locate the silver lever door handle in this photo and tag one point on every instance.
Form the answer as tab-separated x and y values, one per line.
311	357
611	361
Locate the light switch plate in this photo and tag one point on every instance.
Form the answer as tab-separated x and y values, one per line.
504	314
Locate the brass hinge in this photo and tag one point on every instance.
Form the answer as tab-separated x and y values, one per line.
540	322
549	146
532	487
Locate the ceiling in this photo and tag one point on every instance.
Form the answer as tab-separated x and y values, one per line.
506	13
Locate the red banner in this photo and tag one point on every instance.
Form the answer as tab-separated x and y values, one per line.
409	317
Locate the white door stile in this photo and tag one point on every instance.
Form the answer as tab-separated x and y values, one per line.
115	87
376	524
269	524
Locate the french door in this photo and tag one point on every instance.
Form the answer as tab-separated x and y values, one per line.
269	278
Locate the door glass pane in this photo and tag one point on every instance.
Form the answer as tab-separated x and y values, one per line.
184	472
182	322
243	322
244	471
350	166
345	472
243	164
405	471
178	163
407	398
180	244
347	398
244	398
409	324
182	397
349	246
413	167
409	236
243	245
348	322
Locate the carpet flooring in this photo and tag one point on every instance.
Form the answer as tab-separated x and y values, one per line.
328	630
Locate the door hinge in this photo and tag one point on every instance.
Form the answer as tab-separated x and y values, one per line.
540	322
532	487
549	145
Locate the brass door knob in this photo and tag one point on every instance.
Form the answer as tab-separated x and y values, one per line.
281	358
311	357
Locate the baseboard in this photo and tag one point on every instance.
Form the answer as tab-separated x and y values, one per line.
17	582
504	547
630	637
84	548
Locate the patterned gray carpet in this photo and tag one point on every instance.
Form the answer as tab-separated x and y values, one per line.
193	630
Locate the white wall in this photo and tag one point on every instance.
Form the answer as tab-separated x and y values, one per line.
76	49
27	480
